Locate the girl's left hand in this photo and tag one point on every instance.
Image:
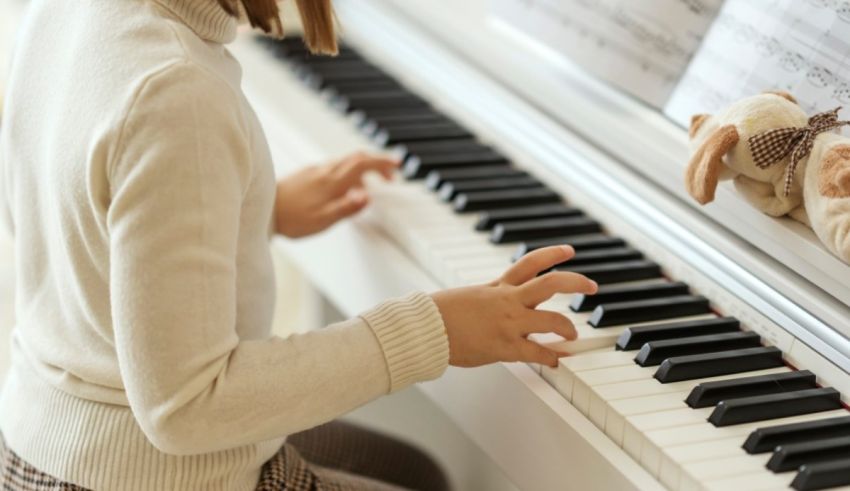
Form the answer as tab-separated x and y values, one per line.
316	197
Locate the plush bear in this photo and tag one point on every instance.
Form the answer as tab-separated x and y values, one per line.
780	159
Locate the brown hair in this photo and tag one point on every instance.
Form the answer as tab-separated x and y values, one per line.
317	18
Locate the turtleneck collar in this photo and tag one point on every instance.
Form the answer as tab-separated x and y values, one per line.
205	17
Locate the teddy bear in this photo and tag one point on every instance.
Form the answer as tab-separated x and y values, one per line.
781	160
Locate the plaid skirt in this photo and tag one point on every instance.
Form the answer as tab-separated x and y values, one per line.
285	471
333	457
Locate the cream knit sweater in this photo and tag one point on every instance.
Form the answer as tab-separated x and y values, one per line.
139	189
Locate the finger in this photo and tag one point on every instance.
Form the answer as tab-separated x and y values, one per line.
541	288
545	321
531	352
533	263
349	173
344	207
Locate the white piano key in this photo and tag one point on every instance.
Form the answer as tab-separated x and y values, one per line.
698	472
595	360
563	377
611	375
656	440
705	470
637	426
585	380
609	406
627	390
614	413
705	431
763	481
591	338
673	458
588	339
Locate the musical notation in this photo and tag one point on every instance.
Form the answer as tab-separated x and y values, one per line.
801	46
642	46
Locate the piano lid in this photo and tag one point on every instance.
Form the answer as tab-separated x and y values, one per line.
620	125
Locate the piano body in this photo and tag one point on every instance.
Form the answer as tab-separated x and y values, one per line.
507	148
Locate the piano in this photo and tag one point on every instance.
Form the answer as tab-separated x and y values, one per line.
715	356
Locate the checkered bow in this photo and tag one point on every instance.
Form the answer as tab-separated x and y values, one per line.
771	146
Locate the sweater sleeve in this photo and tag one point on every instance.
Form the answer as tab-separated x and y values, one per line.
181	169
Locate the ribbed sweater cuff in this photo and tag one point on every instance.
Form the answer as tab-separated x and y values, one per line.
413	338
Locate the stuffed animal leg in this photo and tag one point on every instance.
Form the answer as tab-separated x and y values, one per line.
826	190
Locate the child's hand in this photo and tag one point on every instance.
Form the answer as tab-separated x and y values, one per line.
316	197
490	323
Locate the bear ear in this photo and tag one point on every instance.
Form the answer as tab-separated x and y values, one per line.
696	122
782	94
706	164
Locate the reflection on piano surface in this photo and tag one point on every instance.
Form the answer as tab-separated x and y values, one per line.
697	388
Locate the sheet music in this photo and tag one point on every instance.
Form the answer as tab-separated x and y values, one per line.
642	46
802	46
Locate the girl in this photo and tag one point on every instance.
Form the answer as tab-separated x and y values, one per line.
141	196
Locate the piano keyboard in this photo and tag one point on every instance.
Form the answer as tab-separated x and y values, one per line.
696	398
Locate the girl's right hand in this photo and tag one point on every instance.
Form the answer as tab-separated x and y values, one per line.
490	323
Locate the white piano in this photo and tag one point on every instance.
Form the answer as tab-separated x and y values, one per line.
717	357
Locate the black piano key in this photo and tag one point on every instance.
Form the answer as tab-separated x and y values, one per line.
792	456
452	145
711	393
490	200
369	123
655	352
822	475
767	439
616	272
436	178
374	100
360	87
301	63
317	81
332	64
647	310
489	218
625	293
370	126
418	166
714	364
774	406
579	243
342	70
634	337
392	127
435	131
450	189
521	230
606	255
389	115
